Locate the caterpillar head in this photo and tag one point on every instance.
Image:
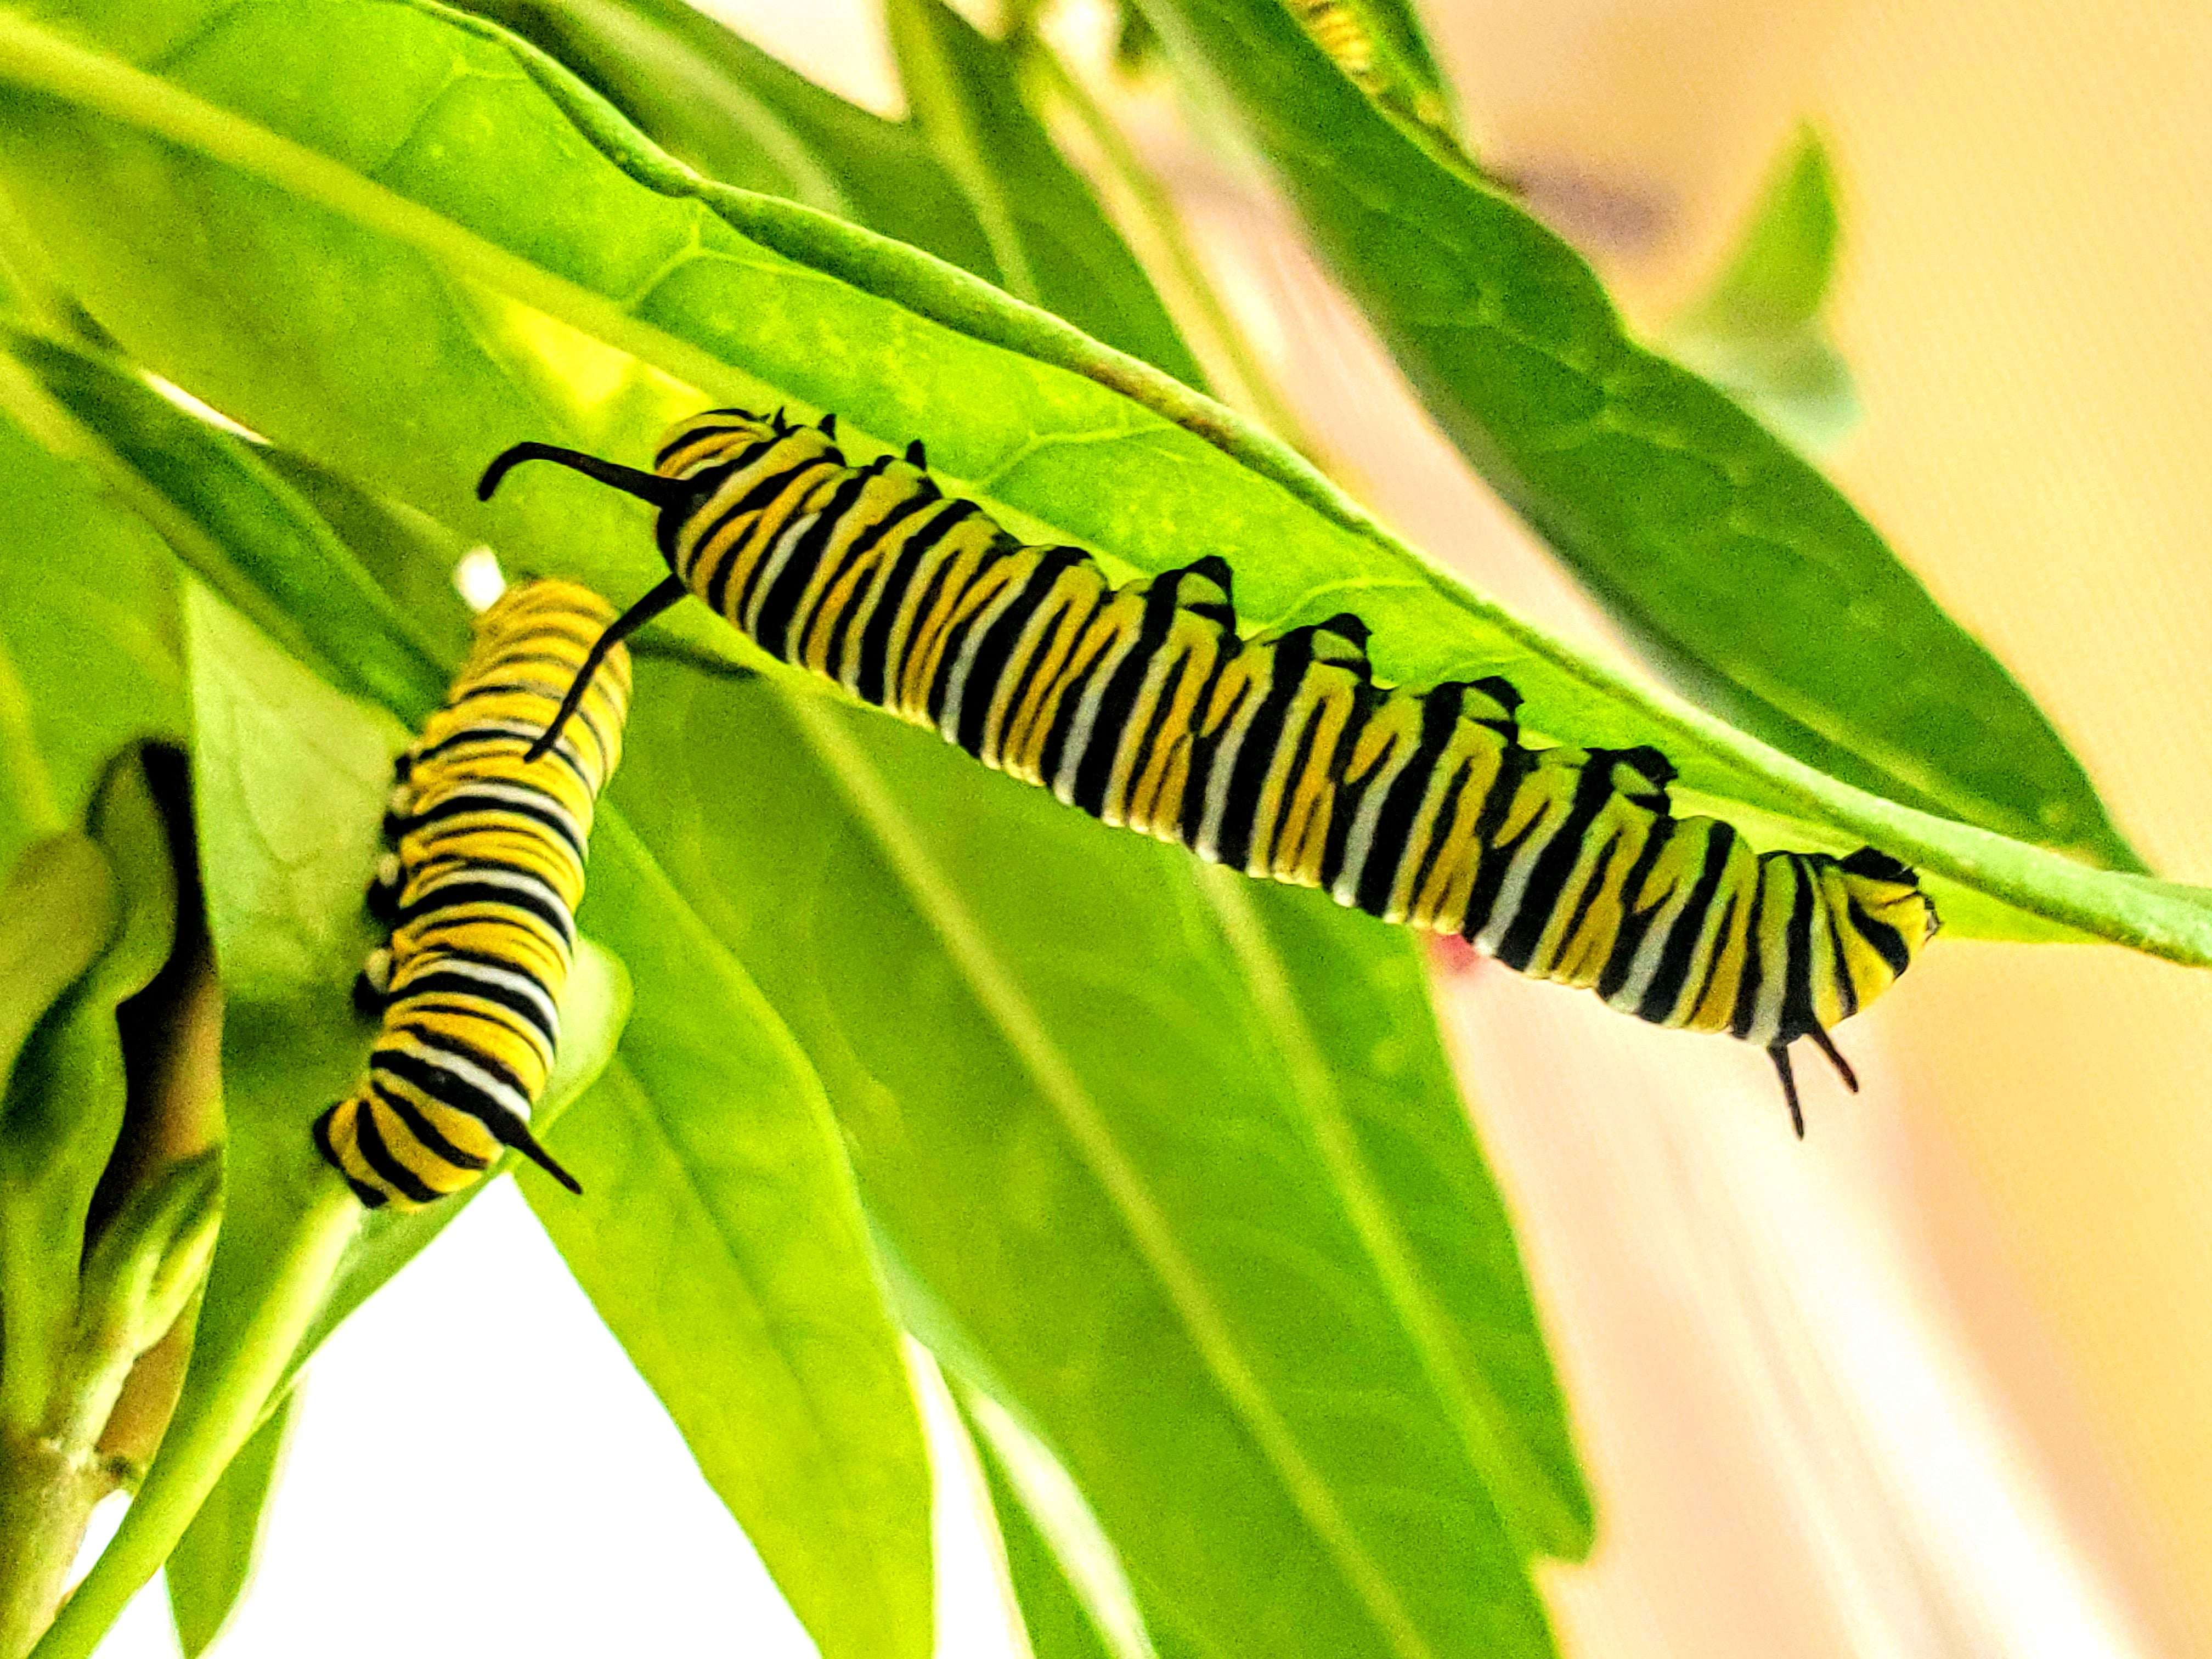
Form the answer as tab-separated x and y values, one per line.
1887	893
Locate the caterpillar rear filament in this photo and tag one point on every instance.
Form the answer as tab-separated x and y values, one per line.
1278	754
481	889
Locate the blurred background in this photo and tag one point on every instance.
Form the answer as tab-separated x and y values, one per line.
1933	1382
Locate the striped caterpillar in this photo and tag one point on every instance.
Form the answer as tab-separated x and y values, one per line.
481	889
1277	755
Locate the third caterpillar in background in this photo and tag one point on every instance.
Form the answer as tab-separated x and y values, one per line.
1277	755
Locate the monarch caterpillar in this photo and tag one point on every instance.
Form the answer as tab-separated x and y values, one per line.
1277	755
481	887
1338	31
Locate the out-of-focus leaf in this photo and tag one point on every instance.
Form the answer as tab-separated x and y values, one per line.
409	555
1112	1185
1136	43
1380	45
146	1264
208	1570
1053	246
1781	271
1396	25
1738	568
89	661
721	103
1756	332
640	257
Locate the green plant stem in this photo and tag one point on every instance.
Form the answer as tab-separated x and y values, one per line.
47	1492
1162	225
217	1415
2041	883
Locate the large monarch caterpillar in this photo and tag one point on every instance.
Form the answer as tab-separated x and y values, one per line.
1277	755
481	888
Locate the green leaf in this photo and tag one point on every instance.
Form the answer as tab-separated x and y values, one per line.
1058	1625
1781	271
1391	61
727	108
635	263
58	911
1396	26
1135	43
208	1570
1053	246
89	662
1075	1600
1756	332
64	1106
1738	569
1112	1183
245	532
146	1265
719	1238
408	555
1348	1005
289	781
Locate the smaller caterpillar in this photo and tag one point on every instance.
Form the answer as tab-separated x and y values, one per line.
481	889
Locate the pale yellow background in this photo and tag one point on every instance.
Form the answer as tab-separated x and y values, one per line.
2028	213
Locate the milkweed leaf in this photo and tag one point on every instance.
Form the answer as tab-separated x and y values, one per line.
208	1570
1738	569
1053	246
711	98
643	259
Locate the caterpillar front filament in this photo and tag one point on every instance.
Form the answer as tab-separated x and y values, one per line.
481	889
1278	754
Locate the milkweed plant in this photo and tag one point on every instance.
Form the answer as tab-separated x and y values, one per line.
1167	1168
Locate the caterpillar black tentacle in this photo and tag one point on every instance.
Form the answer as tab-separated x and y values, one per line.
1278	754
480	891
